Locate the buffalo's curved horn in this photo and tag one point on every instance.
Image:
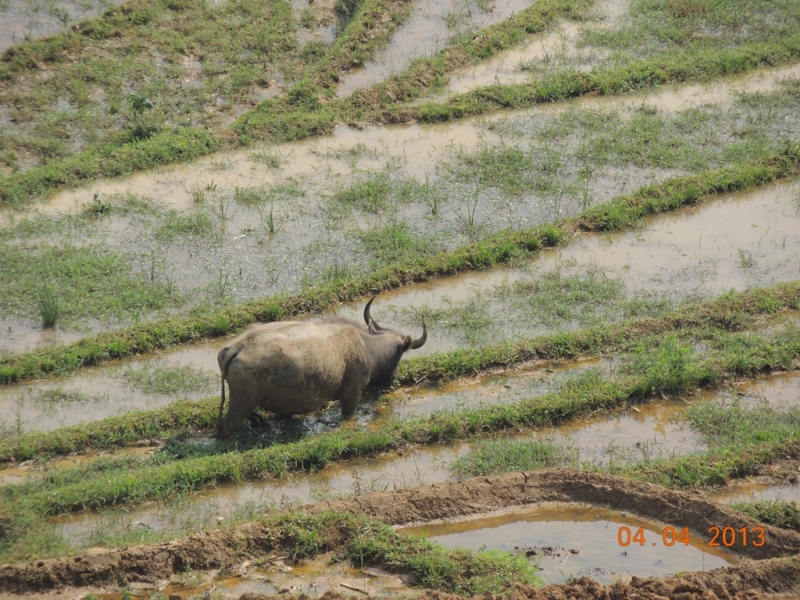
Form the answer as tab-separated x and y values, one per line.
419	342
368	318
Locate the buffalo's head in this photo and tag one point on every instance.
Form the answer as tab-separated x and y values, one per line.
389	347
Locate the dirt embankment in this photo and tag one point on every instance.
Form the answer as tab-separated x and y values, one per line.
148	563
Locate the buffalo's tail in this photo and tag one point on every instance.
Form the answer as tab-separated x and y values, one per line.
221	406
226	360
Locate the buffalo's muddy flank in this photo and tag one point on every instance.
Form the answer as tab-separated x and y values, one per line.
258	539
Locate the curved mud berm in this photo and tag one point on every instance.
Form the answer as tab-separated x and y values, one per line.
148	563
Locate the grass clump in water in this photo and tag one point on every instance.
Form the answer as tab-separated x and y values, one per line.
370	195
734	424
49	306
395	242
493	457
168	380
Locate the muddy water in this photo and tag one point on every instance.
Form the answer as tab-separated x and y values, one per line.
753	492
317	163
428	29
571	541
483	390
778	390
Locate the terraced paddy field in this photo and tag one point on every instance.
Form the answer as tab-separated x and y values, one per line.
593	207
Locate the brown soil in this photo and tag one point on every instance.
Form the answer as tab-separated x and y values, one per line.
148	563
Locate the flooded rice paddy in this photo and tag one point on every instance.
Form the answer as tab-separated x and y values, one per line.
735	242
573	541
286	218
235	226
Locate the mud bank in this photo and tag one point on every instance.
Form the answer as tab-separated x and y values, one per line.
472	497
749	581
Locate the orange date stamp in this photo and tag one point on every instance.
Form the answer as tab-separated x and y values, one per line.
720	536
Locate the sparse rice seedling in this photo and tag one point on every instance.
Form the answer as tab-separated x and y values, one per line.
746	259
271	159
49	306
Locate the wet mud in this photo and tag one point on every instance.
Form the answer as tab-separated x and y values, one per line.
466	499
763	579
572	541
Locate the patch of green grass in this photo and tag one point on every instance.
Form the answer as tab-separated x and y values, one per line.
177	224
167	380
777	513
60	394
496	456
92	283
505	167
395	242
370	195
49	306
729	424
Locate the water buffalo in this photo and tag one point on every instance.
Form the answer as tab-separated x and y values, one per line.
296	367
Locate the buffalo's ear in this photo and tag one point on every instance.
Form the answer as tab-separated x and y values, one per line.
407	342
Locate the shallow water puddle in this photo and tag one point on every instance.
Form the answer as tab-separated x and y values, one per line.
316	163
778	390
427	30
756	492
484	390
573	541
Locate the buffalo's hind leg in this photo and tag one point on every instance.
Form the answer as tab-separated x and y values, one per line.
356	378
238	411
